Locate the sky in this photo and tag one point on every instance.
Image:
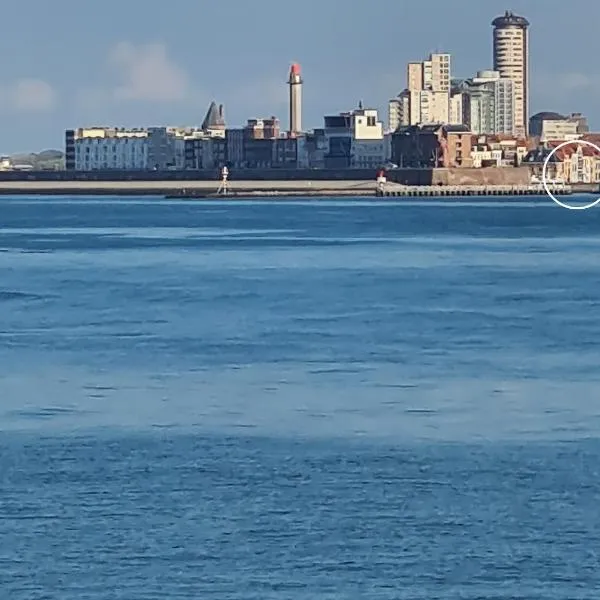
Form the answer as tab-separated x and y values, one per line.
71	63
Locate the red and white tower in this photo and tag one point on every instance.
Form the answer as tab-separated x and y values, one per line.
295	83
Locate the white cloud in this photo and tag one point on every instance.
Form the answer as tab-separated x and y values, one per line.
147	73
28	95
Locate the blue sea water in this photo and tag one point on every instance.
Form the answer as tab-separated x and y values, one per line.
298	400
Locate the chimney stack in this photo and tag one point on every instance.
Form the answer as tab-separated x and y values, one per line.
295	83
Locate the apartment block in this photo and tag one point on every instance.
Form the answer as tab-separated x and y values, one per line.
355	139
485	103
548	126
498	151
399	111
570	164
426	98
430	146
121	149
511	60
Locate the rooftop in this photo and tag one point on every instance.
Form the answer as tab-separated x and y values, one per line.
214	117
509	19
431	128
548	116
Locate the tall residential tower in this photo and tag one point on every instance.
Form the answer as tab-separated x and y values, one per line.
295	83
426	98
511	60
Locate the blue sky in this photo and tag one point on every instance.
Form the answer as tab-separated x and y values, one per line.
148	62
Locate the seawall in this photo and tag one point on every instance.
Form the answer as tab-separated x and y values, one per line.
185	188
313	183
250	189
485	176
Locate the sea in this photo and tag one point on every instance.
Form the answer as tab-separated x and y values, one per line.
297	400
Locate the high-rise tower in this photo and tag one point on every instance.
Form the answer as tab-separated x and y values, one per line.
295	83
511	60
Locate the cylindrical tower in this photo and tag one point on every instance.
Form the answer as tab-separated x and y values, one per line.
295	83
511	59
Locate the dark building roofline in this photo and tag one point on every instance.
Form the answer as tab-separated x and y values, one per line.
539	155
548	116
509	19
214	117
457	128
432	127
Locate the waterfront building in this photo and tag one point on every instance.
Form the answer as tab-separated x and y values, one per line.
428	85
107	148
312	149
546	126
511	60
262	129
430	146
214	122
259	145
286	151
204	153
104	148
563	130
488	103
248	148
133	149
498	151
570	164
394	111
582	122
581	164
354	139
426	98
456	114
399	111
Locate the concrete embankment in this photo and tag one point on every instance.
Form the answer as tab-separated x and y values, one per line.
186	188
471	190
252	189
586	188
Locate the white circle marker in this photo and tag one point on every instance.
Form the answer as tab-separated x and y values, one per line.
545	175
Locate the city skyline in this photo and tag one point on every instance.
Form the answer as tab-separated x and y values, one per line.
110	71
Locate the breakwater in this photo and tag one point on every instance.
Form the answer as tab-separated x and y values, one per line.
189	189
388	190
451	176
210	189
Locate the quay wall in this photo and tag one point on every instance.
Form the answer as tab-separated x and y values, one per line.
456	176
162	188
310	181
184	176
483	176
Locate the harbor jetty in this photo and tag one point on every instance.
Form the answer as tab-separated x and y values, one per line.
271	189
388	190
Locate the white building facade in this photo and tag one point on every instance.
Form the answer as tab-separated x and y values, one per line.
559	130
104	148
355	140
109	149
429	90
488	102
511	60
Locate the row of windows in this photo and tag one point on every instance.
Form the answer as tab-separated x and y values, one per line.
114	150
